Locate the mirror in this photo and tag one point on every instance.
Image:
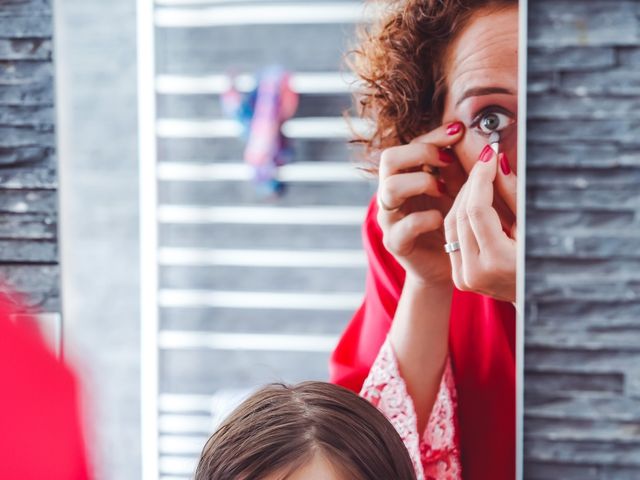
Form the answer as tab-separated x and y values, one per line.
260	268
258	230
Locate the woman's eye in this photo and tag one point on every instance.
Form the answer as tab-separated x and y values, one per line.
494	122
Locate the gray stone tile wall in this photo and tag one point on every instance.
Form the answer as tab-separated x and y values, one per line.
28	178
582	361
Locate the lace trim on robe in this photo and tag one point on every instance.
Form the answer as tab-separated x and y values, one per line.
435	456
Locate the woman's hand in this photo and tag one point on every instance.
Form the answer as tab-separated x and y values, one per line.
486	261
413	202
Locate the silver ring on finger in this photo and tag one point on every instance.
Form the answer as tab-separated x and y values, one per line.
451	247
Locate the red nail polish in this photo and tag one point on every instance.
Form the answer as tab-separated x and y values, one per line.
486	154
442	187
454	128
445	156
504	164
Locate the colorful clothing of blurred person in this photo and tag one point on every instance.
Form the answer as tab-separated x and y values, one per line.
41	436
261	114
472	423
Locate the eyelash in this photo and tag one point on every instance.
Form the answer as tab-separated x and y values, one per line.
490	109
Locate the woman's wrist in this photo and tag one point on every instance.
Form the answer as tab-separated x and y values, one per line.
415	283
424	304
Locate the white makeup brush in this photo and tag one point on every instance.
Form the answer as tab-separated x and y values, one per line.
494	142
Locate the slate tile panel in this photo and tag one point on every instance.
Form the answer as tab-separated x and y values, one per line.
582	339
28	173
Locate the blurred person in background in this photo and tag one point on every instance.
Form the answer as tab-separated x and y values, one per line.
309	431
433	344
41	434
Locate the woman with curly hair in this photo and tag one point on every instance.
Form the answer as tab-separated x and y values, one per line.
433	344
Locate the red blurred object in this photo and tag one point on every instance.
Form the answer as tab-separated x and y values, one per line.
482	350
40	422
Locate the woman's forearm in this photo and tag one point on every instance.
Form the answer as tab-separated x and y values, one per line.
419	336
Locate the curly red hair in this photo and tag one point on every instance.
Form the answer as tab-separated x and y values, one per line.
400	60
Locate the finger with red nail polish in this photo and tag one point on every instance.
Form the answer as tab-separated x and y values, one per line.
486	154
454	128
504	163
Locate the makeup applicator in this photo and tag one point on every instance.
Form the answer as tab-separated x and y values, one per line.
494	142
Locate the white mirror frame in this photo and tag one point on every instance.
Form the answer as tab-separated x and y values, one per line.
521	218
149	361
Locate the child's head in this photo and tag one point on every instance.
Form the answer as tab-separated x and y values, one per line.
309	431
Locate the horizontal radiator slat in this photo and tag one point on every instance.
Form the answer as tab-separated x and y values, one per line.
288	14
192	214
176	339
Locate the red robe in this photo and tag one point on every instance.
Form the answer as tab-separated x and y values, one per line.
481	349
41	434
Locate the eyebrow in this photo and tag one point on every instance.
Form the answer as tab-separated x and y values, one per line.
480	91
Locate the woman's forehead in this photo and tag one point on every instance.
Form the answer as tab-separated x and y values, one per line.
484	55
